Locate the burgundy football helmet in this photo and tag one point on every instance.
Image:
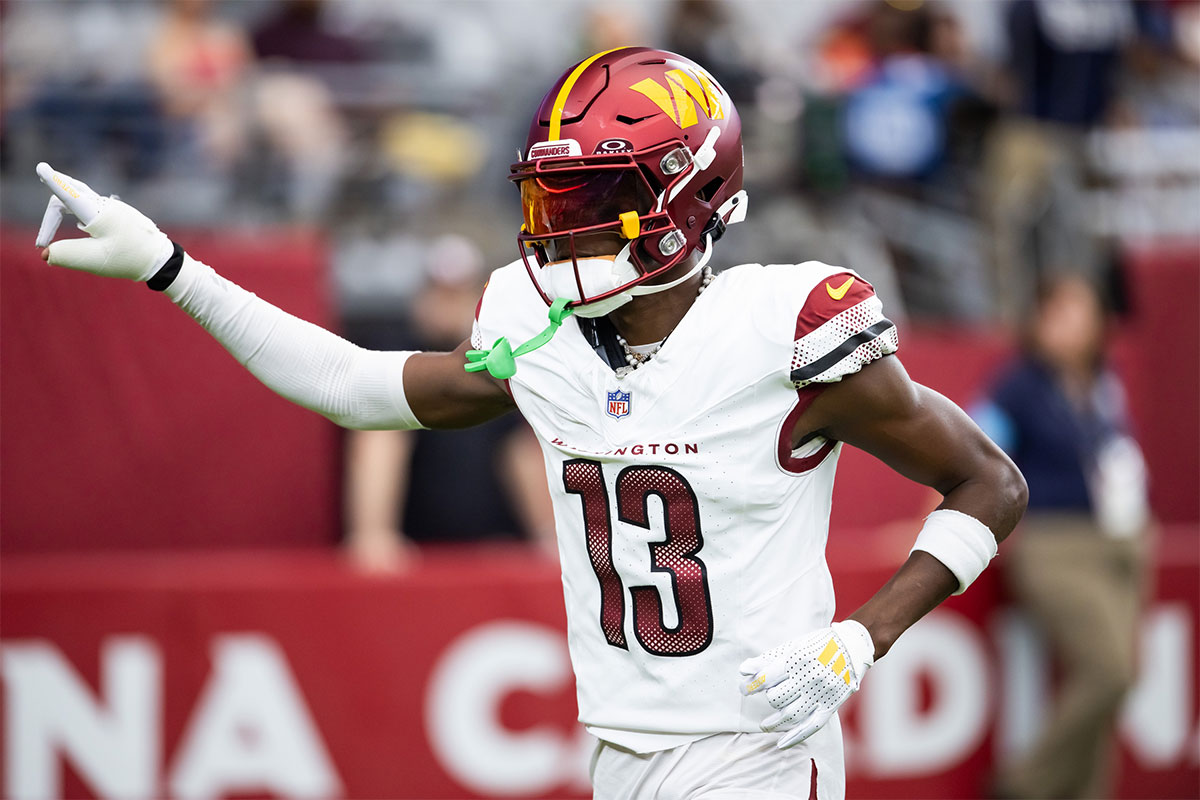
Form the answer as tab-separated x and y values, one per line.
633	150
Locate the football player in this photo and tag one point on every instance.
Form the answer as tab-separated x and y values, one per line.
690	426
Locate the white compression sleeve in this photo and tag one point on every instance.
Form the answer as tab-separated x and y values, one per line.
304	363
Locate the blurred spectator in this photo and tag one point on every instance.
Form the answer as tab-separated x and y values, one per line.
92	112
897	141
294	33
1064	57
199	64
302	128
703	30
477	484
1158	87
1063	60
296	117
905	71
1077	565
1144	161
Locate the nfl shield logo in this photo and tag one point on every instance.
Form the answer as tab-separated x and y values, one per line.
618	404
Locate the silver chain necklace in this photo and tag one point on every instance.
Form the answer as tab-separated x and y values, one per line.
638	354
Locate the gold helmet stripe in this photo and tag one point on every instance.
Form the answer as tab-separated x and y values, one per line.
561	101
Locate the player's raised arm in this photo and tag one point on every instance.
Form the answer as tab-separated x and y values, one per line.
304	363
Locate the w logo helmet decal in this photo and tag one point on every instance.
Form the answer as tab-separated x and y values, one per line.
683	92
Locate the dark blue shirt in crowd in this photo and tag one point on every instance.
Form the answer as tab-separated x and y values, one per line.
1051	438
1065	68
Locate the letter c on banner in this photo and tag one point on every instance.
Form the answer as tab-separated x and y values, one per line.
462	709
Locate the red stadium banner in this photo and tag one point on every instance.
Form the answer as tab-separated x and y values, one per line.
113	400
289	675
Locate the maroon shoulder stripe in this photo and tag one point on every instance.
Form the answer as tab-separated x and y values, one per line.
829	298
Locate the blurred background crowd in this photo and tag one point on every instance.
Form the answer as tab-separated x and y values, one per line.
388	124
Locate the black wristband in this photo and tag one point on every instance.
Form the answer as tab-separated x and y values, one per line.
169	271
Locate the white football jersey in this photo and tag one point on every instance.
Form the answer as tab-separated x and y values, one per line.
692	535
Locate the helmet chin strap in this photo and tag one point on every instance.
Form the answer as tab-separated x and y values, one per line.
655	288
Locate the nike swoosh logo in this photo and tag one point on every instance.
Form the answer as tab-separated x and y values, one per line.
840	292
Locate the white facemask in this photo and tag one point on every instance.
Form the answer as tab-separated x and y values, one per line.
600	274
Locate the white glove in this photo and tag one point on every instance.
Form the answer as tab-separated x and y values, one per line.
124	243
806	680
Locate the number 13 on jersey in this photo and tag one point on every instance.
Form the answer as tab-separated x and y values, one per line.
677	555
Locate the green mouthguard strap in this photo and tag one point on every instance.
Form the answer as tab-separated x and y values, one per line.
501	359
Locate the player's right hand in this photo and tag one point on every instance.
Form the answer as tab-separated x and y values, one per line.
806	680
123	242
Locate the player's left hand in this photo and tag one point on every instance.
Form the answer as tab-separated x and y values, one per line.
807	679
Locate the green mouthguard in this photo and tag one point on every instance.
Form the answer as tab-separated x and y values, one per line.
501	359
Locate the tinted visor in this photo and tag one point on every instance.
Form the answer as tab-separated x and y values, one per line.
568	200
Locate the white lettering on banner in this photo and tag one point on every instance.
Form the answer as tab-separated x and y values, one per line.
462	710
1156	719
897	737
112	742
251	730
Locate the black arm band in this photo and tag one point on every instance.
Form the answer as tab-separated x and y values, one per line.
169	271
